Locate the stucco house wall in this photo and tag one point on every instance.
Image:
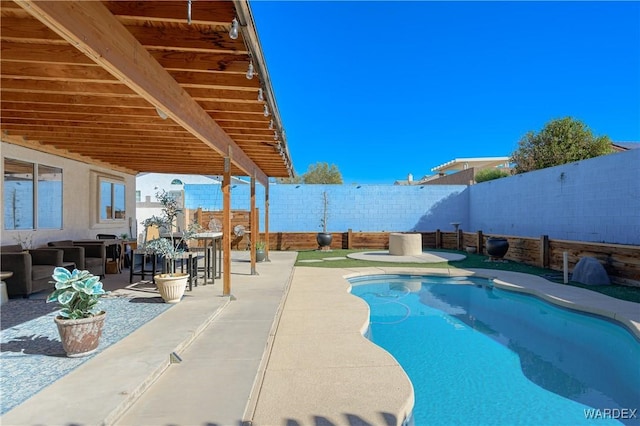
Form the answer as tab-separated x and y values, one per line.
80	199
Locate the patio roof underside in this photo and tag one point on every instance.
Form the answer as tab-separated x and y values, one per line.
85	79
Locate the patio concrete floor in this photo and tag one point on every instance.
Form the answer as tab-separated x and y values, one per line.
288	351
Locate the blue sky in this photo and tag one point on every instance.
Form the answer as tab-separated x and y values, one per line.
383	89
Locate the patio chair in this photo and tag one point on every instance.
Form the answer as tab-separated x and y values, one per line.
94	259
113	251
142	263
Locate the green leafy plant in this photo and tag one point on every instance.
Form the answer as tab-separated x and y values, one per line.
77	292
169	248
260	245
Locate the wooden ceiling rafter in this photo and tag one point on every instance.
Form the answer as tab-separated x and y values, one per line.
48	85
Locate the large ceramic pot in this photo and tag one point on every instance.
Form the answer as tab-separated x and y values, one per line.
261	255
80	337
497	247
324	239
171	286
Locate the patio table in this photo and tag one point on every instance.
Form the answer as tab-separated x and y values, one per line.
212	254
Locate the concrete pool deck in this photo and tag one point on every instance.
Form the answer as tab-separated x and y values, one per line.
318	363
288	351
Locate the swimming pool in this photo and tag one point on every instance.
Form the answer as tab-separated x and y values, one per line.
481	355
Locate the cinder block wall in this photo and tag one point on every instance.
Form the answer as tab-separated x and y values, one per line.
596	200
298	208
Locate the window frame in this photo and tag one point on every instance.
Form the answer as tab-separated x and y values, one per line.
116	198
34	207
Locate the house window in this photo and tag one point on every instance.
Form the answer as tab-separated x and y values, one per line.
49	197
32	195
138	196
112	199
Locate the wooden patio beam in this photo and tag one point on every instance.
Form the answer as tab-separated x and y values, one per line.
90	27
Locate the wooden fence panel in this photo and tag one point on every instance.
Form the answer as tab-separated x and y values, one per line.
238	217
621	262
370	240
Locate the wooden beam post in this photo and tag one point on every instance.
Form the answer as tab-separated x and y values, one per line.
226	228
479	242
544	251
266	221
438	239
253	218
349	239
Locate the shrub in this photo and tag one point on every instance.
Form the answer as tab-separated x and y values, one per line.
490	174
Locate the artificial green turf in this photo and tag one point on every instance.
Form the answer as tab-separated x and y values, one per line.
629	293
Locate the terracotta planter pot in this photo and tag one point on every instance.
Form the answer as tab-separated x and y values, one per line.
171	286
80	337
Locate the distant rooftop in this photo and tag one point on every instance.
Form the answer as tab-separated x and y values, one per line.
624	146
458	164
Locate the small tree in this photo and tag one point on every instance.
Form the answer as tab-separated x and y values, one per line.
318	173
561	141
325	212
322	173
169	248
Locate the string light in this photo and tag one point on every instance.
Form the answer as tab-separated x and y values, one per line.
161	113
233	32
260	95
266	110
250	70
189	12
271	125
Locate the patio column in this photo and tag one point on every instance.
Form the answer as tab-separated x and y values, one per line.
226	228
266	221
254	226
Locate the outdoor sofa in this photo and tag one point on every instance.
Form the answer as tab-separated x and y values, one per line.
32	269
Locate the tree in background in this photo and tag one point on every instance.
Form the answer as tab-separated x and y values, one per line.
317	173
490	174
561	141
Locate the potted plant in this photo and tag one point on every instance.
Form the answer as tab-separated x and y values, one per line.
324	238
497	247
79	321
261	255
171	284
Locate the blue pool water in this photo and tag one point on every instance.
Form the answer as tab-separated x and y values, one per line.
480	355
